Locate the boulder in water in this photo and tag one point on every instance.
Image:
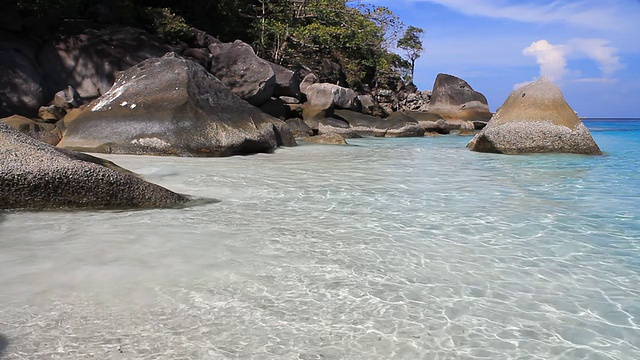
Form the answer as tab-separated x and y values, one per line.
535	119
34	175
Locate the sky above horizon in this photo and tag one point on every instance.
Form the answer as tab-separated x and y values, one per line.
589	48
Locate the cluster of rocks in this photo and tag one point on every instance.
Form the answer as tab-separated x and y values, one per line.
210	98
80	67
403	100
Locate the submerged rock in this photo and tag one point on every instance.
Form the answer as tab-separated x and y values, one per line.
173	106
34	175
535	119
329	139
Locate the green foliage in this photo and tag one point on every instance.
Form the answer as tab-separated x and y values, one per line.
323	35
295	32
411	43
166	23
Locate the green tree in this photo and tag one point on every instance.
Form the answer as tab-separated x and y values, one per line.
411	43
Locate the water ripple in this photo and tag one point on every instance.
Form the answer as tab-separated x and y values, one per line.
403	248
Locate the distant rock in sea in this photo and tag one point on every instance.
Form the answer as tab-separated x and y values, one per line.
535	119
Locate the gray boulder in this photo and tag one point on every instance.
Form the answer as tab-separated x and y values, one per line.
34	175
535	119
200	55
287	82
238	67
173	106
323	99
324	94
67	99
428	121
351	123
307	81
454	99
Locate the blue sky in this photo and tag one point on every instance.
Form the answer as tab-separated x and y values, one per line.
589	48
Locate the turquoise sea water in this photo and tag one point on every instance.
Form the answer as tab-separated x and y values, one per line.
387	249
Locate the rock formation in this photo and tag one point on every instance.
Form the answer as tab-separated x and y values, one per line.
47	133
535	119
173	106
34	175
350	123
327	139
454	99
238	67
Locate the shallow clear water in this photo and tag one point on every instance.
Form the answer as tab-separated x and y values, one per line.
390	248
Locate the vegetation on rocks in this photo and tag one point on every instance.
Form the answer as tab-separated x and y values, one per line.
342	41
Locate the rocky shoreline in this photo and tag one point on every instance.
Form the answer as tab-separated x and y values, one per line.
123	90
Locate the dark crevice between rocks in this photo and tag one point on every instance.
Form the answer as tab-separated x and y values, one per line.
4	341
193	201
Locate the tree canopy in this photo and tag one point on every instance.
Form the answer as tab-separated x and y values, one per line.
343	41
411	43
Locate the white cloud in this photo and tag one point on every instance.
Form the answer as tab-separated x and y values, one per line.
553	58
596	14
600	51
597	80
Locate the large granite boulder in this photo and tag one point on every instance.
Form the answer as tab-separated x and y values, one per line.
324	94
21	85
173	106
238	67
323	99
34	175
90	60
535	119
47	133
453	98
